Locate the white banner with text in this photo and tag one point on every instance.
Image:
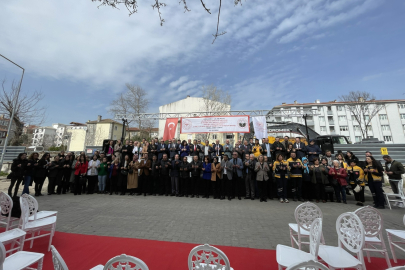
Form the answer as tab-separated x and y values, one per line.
215	124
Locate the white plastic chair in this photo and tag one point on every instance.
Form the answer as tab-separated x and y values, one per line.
20	260
15	237
350	235
373	225
6	204
288	256
31	227
397	268
400	194
58	261
305	214
208	257
308	265
33	206
399	234
125	262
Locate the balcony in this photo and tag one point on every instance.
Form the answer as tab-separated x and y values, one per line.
331	122
330	113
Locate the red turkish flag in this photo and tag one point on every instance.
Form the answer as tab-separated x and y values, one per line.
170	128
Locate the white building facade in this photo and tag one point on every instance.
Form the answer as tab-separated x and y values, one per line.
43	135
333	118
60	130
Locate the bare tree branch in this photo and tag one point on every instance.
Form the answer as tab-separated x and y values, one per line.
223	32
131	5
158	5
185	5
206	9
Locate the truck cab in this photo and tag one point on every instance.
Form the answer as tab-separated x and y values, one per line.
326	142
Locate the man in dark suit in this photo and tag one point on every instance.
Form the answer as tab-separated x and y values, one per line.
127	150
218	149
266	148
246	149
299	148
195	149
173	149
208	150
394	169
162	149
278	148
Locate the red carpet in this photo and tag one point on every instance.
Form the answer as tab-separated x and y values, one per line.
86	251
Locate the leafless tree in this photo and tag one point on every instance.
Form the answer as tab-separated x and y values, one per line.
47	141
363	107
215	101
146	130
132	7
133	101
28	110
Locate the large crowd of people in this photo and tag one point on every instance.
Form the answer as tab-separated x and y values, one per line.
249	170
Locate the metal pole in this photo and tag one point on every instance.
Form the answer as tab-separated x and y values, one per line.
306	126
13	111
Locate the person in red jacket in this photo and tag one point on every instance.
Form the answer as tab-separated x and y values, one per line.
80	175
339	174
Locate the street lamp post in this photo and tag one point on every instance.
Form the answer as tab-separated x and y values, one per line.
12	112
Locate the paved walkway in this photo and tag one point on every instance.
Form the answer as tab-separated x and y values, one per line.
242	223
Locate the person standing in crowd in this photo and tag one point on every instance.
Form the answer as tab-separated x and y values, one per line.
306	181
300	148
154	170
278	148
162	149
288	150
17	173
109	149
356	181
295	166
280	169
92	174
266	148
201	152
226	181
286	142
184	177
394	169
218	149
249	167
228	149
245	148
29	173
208	150
59	176
133	176
339	174
318	176
349	157
144	166
270	183
164	174
215	177
123	178
80	175
251	143
328	157
126	150
102	175
261	169
152	149
196	167
313	151
72	174
53	175
256	150
173	149
184	149
206	168
66	172
117	149
145	150
238	150
195	149
175	174
114	174
136	150
341	160
237	167
41	173
330	186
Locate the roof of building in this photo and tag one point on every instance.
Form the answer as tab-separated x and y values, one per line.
77	124
103	121
317	103
135	129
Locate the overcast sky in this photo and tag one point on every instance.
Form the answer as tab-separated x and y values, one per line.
81	56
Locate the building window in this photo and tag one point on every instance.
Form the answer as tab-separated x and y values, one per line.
329	108
344	128
385	127
357	139
340	108
383	117
323	129
369	128
115	128
402	115
321	118
214	136
319	109
354	118
387	138
366	117
229	137
403	126
342	118
401	106
356	128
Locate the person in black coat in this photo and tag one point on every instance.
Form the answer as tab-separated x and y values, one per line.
17	170
174	174
154	169
29	173
41	172
300	148
52	175
196	167
161	149
184	177
164	167
127	150
278	148
124	173
195	149
66	172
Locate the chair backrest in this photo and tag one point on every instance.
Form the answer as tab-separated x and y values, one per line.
25	214
308	265
32	204
403	219
58	262
371	219
2	255
6	204
350	232
305	214
315	236
400	188
125	262
206	254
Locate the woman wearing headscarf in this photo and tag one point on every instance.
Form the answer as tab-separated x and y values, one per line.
133	167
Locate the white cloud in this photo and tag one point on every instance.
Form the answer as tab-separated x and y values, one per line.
188	85
178	82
